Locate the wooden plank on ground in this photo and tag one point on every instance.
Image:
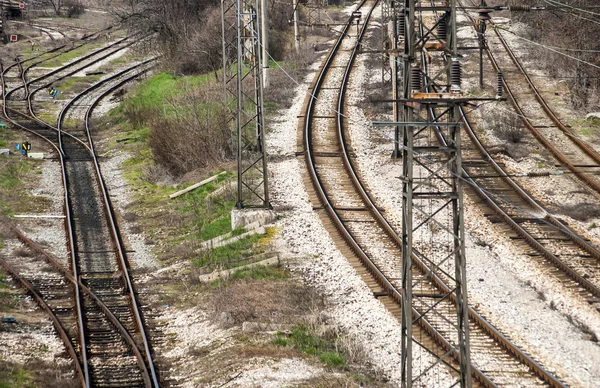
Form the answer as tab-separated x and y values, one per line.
195	186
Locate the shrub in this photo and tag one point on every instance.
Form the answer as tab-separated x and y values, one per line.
192	131
508	127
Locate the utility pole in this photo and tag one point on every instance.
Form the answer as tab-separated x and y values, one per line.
296	29
243	86
265	43
433	241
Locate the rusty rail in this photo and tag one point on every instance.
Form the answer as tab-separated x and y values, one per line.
55	322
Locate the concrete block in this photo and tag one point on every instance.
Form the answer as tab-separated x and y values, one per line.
244	217
36	155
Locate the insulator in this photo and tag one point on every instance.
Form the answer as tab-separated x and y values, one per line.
522	8
455	76
442	28
401	24
538	174
484	14
499	86
415	78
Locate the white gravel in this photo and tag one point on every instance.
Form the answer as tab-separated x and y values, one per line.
351	304
508	291
121	196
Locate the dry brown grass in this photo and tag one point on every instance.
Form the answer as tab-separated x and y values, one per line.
192	132
262	301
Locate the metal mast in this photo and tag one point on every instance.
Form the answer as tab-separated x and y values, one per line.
243	84
432	211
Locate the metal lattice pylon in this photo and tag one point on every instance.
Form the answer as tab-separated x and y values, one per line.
432	211
242	78
389	12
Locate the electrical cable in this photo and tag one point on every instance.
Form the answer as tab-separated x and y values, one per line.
554	3
468	181
547	47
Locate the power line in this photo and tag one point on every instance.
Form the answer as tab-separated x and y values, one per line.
553	2
468	180
548	48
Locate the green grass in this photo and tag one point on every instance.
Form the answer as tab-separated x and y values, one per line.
305	342
231	254
14	171
6	298
70	55
212	216
17	377
11	173
78	83
261	272
151	94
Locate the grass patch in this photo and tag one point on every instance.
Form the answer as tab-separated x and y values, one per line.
15	172
150	94
78	84
302	340
7	299
212	216
16	377
70	55
230	255
261	272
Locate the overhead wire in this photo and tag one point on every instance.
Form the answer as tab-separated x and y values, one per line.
469	181
554	3
547	47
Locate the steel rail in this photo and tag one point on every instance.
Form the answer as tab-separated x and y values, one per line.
482	322
538	135
473	315
58	48
31	93
70	238
55	322
531	241
538	96
107	204
373	269
75	62
148	379
114	320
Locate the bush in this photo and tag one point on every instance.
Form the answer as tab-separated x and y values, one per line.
508	127
191	132
74	8
566	30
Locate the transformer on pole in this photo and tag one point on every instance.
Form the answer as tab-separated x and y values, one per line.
243	84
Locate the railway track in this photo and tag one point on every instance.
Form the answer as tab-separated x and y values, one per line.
572	259
114	349
539	118
373	246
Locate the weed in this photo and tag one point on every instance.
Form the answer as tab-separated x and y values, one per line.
280	340
541	296
261	272
306	342
332	359
229	255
